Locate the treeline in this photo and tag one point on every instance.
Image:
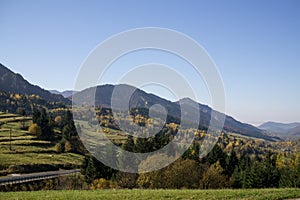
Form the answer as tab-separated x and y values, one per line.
25	104
217	170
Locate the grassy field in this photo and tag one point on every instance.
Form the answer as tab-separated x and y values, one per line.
27	149
157	194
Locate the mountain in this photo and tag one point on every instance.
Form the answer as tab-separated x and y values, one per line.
141	99
285	130
11	82
66	93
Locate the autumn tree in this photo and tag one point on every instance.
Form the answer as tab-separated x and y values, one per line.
213	178
183	173
35	129
153	179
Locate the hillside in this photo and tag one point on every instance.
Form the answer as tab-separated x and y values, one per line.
11	82
19	153
285	130
141	99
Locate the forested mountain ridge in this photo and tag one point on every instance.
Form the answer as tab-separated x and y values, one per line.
15	88
11	82
141	99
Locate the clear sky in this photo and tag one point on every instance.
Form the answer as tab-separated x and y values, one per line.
255	44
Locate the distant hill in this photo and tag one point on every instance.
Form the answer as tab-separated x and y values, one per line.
66	93
11	82
284	130
141	99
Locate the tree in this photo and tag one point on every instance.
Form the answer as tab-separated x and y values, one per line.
154	179
183	173
88	169
244	161
68	147
92	168
99	184
36	116
288	178
213	178
237	178
141	145
231	163
69	129
127	161
58	120
261	175
59	147
193	152
126	180
42	119
35	129
129	144
21	111
217	154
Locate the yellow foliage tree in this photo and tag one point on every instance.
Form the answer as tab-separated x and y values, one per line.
68	147
58	119
35	129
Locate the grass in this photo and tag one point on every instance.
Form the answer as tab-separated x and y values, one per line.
92	136
28	149
157	194
31	158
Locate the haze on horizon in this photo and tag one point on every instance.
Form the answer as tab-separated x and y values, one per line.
255	46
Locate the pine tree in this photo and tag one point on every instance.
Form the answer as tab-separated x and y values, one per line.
217	154
89	169
129	144
231	163
69	129
42	119
127	161
237	178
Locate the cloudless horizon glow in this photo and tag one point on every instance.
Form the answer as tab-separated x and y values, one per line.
255	45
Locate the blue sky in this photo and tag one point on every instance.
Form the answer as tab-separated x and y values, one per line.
255	44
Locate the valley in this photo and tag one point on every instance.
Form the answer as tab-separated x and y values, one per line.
38	134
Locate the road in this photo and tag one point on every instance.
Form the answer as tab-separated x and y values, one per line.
35	176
